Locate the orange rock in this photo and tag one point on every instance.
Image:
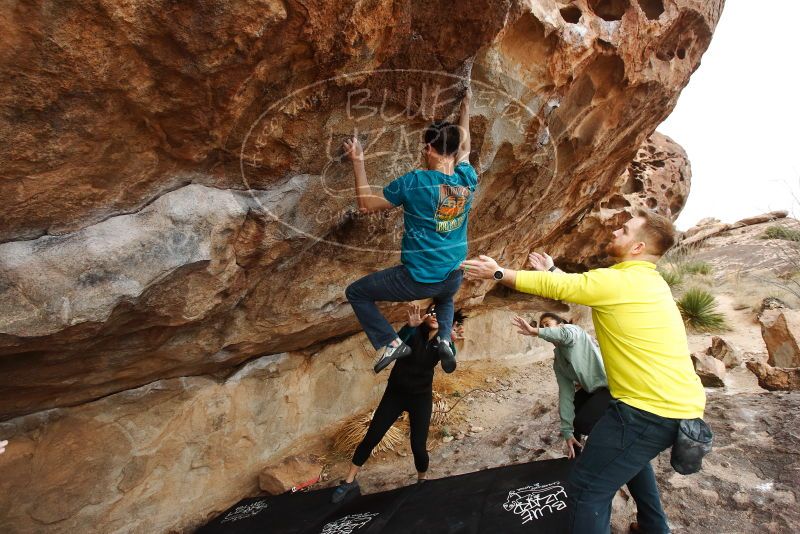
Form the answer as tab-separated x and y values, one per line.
291	472
175	197
710	370
780	329
726	352
775	378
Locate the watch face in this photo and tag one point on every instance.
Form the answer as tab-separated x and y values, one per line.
498	275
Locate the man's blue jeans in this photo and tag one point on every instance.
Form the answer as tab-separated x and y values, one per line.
396	285
618	451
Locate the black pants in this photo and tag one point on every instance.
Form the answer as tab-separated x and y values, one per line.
589	408
418	406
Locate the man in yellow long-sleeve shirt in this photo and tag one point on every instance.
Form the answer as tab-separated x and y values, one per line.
646	356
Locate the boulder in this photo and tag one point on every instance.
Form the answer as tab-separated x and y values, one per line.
763	218
179	228
780	329
771	303
776	378
178	204
710	370
659	177
292	472
707	221
703	233
728	353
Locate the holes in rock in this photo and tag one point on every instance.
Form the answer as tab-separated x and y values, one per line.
571	14
681	53
615	203
633	185
658	164
676	204
607	74
651	203
527	45
665	55
652	8
609	9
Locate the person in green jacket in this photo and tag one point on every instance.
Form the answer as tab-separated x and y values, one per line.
577	361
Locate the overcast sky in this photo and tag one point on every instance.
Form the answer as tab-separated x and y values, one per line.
739	117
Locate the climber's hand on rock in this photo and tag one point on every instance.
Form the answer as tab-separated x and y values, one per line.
352	149
467	98
3	445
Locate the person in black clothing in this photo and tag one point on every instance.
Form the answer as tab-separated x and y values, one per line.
409	389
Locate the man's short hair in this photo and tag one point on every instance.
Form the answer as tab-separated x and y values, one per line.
444	137
659	232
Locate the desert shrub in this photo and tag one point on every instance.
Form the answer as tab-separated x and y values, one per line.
699	311
781	232
696	267
671	276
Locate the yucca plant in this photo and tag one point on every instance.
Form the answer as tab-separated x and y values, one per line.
699	311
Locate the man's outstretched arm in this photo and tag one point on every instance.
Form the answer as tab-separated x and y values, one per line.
593	288
463	122
366	199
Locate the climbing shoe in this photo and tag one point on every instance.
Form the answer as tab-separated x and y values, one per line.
344	489
446	356
391	354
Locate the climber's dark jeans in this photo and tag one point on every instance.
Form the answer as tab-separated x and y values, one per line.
396	285
618	451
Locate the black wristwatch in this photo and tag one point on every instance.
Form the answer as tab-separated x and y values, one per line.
553	268
498	274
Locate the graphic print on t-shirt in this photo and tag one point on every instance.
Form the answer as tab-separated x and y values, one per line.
450	208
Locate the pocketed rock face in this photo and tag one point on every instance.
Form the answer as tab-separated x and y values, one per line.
132	130
658	179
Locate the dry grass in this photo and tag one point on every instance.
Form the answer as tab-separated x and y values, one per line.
448	389
354	429
442	414
749	293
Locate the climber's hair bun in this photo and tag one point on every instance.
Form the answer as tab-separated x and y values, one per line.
444	137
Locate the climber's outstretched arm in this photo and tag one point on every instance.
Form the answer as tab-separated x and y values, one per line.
367	199
463	123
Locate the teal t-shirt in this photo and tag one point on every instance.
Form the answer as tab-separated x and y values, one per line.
435	211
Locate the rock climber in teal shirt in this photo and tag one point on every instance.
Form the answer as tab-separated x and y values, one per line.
436	203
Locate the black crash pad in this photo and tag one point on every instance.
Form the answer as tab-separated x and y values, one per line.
529	498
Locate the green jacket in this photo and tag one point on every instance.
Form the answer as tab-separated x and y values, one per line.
577	361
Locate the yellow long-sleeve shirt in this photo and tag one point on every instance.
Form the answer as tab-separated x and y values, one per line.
640	331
